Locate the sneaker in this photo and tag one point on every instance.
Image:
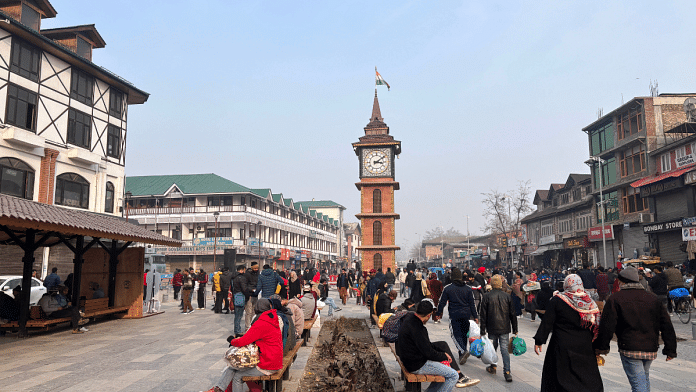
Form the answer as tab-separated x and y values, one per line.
508	377
463	358
83	321
436	322
77	331
191	311
491	369
83	329
339	309
465	381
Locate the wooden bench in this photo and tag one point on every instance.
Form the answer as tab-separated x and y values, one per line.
92	308
413	381
306	330
274	382
100	307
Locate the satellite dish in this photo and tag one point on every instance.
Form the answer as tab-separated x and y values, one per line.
690	109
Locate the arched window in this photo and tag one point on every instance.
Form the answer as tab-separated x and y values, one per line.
109	199
377	261
16	178
377	233
72	190
377	201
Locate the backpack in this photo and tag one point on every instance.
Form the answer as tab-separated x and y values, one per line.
238	298
288	333
390	329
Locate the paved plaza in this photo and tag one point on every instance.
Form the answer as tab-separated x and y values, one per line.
177	352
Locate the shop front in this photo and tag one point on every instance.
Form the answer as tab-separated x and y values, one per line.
598	235
666	239
575	251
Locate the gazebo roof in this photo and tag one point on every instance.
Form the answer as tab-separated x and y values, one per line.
21	214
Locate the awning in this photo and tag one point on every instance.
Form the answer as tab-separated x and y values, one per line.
649	180
540	251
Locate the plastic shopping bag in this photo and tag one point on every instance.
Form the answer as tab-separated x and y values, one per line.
244	357
489	356
518	346
474	331
476	348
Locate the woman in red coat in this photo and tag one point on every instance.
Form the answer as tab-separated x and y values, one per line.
265	332
435	287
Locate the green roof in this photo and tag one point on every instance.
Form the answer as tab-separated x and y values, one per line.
188	183
321	203
277	197
263	192
288	202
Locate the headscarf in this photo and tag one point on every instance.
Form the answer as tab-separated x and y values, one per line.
533	277
382	288
262	305
419	275
293	276
432	276
576	297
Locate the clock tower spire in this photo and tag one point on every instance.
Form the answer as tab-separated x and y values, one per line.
376	152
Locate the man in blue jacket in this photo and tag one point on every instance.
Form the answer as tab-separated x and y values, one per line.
461	308
268	282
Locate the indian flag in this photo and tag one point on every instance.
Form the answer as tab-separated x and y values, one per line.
379	80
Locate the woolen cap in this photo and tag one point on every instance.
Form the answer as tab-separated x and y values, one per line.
630	274
497	282
482	269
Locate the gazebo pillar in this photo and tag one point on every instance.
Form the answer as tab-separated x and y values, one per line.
25	296
114	251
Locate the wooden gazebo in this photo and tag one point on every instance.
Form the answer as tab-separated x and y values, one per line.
31	225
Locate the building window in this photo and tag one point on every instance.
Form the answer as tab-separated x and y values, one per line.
16	178
546	228
632	161
25	60
582	222
176	233
602	138
608	170
377	201
21	108
611	207
213	201
377	261
565	198
115	103
109	199
565	226
113	142
243	202
632	202
30	17
72	190
79	128
576	194
81	87
629	123
377	233
222	232
666	162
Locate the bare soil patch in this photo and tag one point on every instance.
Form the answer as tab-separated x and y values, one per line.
345	359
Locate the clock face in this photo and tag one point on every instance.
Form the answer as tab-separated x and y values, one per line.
376	162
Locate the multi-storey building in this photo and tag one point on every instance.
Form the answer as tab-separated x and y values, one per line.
353	235
211	214
670	194
63	119
621	141
557	230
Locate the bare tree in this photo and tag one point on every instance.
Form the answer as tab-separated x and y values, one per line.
504	211
438	233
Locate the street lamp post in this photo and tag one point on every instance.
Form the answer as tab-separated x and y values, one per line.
468	243
590	162
216	215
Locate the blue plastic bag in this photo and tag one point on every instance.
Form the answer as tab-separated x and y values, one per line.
476	348
679	293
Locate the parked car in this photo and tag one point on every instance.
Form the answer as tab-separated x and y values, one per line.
7	283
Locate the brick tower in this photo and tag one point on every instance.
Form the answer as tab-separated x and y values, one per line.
376	152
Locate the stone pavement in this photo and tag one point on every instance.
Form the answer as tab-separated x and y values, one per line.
177	352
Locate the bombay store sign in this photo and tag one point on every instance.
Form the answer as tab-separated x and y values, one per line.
662	227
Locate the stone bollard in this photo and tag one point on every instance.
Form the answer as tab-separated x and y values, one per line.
693	330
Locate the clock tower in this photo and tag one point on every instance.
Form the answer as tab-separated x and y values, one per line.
376	152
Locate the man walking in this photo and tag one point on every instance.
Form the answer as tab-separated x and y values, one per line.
409	280
461	308
402	282
268	282
497	315
252	278
420	356
225	280
638	318
390	278
176	283
342	285
239	286
186	290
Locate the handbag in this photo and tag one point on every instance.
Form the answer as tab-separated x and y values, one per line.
244	357
239	299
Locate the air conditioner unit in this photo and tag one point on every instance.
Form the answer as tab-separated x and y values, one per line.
646	218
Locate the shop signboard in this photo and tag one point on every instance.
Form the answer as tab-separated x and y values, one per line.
690	177
688	222
686	160
572	243
221	241
660	187
547	239
595	233
689	233
662	226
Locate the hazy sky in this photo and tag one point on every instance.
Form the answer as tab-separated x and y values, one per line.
273	93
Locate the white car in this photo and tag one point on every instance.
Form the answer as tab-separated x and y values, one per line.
7	283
